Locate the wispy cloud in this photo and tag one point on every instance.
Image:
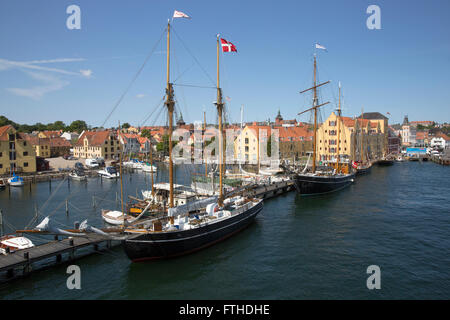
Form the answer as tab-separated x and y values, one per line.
52	83
37	92
140	95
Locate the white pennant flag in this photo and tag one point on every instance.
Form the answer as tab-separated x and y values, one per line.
179	14
318	46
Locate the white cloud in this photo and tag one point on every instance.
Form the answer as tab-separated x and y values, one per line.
52	83
37	92
86	73
140	95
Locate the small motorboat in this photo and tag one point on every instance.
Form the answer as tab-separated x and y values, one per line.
149	168
78	175
109	173
16	181
116	217
12	243
2	184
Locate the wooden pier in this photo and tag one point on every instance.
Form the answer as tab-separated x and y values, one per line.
23	262
267	191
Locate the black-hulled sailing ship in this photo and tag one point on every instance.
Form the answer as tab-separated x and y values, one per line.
322	181
197	224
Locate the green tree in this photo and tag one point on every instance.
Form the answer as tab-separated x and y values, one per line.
146	133
78	126
126	125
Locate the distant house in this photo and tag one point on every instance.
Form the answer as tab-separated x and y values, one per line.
442	141
49	134
16	152
59	147
41	145
130	143
70	136
94	144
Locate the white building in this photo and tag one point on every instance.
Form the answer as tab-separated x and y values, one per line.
408	133
70	136
441	142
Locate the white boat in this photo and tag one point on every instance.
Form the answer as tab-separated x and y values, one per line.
137	165
78	175
400	159
115	217
149	168
11	243
109	173
16	181
182	194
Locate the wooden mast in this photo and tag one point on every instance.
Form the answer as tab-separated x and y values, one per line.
121	179
315	117
204	154
170	106
151	165
362	136
219	105
315	107
338	132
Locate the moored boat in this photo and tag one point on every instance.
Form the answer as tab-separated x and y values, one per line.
194	225
12	243
109	173
16	181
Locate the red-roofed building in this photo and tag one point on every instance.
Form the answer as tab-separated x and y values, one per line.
96	144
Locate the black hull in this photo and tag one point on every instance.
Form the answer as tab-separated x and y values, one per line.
315	185
153	246
362	171
385	163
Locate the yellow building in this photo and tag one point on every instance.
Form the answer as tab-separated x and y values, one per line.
41	146
92	144
16	153
350	139
246	144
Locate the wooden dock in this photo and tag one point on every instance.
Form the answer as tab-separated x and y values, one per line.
23	262
267	191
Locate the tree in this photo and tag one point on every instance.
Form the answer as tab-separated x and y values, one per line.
146	133
78	126
126	125
163	146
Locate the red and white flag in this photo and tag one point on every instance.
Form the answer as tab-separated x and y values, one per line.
228	46
179	14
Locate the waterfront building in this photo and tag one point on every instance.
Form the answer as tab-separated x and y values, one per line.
350	138
41	145
246	144
295	142
441	141
96	144
59	147
130	143
16	153
408	133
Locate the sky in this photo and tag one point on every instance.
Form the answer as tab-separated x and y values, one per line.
49	72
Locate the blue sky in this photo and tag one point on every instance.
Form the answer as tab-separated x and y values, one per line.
404	68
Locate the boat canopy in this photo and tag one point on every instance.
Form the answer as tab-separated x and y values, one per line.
191	206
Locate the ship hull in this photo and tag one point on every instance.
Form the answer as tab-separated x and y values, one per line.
163	245
364	170
385	163
315	185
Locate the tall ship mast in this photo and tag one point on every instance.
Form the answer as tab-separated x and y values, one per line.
195	225
325	180
363	166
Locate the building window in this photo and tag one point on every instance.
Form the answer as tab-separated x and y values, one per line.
1	166
25	153
25	164
1	154
332	132
332	123
106	149
246	140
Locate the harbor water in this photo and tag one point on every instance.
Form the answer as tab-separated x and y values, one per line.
397	218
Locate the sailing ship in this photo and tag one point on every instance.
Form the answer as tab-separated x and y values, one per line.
12	243
322	181
362	166
196	225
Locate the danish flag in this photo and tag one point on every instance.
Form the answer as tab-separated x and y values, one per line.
227	46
